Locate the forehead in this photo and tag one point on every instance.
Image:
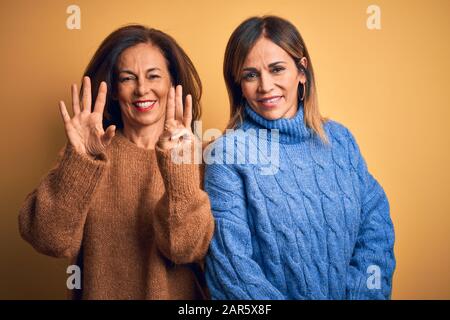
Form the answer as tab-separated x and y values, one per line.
142	55
265	52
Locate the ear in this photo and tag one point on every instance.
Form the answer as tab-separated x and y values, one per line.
304	62
301	74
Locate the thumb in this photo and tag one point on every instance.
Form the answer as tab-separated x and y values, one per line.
109	134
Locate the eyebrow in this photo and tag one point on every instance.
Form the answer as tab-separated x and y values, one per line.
131	72
273	64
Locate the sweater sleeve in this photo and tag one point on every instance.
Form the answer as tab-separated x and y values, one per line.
183	222
231	272
52	216
372	264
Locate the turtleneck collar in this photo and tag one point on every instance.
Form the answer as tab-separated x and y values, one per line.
291	131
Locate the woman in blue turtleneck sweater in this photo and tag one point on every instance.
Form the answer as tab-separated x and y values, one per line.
315	226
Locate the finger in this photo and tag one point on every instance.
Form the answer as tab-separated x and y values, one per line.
170	109
64	114
179	103
75	100
101	98
109	134
87	99
187	116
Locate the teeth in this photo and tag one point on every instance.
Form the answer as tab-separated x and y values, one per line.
144	104
271	100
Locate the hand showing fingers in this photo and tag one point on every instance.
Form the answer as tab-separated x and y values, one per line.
85	129
177	127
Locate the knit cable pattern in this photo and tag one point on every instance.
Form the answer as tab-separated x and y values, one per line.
310	231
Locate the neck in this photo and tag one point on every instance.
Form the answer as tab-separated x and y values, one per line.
144	137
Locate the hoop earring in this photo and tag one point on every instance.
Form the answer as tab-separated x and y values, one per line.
304	90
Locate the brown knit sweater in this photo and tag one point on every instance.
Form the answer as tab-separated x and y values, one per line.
137	224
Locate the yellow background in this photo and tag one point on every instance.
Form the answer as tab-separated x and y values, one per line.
390	87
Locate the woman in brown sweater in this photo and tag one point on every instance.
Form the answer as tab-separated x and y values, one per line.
137	223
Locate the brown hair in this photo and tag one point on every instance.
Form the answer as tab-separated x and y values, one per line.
284	34
102	67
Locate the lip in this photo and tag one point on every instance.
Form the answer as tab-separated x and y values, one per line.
149	105
269	102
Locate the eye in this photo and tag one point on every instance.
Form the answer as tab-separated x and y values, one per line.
153	76
126	79
250	76
277	69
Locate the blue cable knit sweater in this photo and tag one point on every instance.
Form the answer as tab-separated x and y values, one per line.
318	228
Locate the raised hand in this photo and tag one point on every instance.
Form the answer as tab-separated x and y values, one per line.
85	129
177	127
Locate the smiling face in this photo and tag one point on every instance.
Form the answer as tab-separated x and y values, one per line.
142	86
270	79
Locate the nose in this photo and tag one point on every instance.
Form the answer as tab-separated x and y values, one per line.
265	83
142	88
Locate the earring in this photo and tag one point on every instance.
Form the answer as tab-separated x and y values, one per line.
304	90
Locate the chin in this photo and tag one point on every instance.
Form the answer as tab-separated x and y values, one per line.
147	120
271	114
150	121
